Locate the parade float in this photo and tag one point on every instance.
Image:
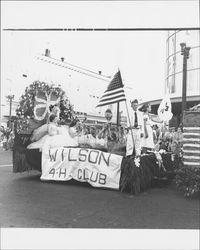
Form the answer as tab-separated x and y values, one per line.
98	161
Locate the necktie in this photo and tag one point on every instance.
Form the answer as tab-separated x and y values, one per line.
136	120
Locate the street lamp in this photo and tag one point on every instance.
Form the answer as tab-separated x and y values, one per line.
10	98
185	52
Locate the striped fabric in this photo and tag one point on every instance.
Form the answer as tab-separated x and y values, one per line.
114	93
191	146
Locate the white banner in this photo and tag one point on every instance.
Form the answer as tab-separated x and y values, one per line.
99	168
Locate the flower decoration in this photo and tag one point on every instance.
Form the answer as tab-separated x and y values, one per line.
35	102
43	101
162	151
137	161
22	124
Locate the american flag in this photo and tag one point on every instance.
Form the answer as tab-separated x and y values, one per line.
114	93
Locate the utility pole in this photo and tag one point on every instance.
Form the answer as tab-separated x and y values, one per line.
185	52
10	98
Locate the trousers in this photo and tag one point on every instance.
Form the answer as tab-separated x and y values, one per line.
133	144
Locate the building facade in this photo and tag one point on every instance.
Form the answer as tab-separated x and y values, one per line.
174	70
83	88
174	63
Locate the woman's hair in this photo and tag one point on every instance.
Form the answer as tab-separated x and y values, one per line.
145	107
52	117
50	107
108	111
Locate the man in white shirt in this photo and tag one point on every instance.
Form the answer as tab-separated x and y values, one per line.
136	131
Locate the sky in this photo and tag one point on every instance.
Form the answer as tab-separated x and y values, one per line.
140	55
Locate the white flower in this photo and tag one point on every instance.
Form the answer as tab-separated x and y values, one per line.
137	161
158	156
162	151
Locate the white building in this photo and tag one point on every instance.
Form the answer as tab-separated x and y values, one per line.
174	69
174	63
83	87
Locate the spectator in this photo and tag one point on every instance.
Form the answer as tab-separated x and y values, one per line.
6	136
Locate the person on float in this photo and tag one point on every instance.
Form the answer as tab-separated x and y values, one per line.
50	129
92	139
54	110
179	140
179	135
56	137
105	132
155	139
172	142
136	129
108	132
122	135
43	130
147	142
53	128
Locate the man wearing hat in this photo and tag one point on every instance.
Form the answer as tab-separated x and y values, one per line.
136	131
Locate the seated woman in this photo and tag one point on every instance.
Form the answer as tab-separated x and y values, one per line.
56	137
53	128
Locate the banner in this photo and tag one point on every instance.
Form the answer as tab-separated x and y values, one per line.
164	110
96	167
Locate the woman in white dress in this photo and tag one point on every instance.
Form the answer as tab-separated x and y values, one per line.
56	137
147	141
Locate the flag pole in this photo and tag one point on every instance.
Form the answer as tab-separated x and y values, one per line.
118	121
128	115
129	122
118	102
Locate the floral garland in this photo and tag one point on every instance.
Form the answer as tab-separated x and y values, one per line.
25	110
137	161
22	124
136	174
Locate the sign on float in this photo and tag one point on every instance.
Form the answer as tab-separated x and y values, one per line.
100	169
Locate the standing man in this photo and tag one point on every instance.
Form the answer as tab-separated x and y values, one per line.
136	128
